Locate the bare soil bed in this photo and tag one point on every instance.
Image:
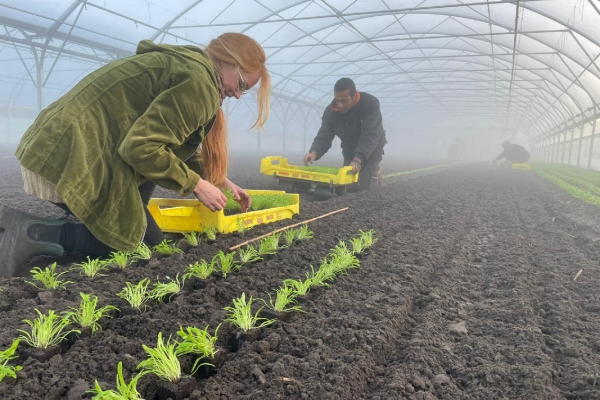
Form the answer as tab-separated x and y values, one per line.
468	294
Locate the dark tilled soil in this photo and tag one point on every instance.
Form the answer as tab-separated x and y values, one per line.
468	294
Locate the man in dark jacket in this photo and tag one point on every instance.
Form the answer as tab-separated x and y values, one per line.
514	153
355	118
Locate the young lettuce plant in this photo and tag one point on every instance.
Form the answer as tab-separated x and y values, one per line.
162	360
289	236
142	252
357	245
136	295
201	270
241	227
191	238
342	263
170	288
5	357
248	255
119	258
303	233
198	341
324	274
46	331
225	263
210	233
299	287
165	248
367	238
90	268
240	315
88	315
48	277
124	391
269	245
285	296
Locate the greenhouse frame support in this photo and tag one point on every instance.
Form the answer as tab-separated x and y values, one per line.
571	145
589	166
562	156
580	142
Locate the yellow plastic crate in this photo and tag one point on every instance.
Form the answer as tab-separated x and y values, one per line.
522	167
279	167
187	215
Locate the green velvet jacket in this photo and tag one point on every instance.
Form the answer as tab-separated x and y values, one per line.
135	119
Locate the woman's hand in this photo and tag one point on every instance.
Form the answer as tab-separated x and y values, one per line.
239	194
210	195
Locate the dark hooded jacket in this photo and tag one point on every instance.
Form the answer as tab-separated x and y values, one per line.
360	129
133	120
516	154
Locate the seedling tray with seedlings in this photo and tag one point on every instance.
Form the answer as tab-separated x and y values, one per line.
295	178
189	215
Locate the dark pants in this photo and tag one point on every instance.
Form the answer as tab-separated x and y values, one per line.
367	177
77	237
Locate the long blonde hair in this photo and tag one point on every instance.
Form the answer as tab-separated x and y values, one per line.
243	51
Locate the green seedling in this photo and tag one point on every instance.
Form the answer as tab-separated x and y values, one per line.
241	227
323	275
46	331
124	391
261	202
87	315
90	268
198	341
269	245
367	238
200	270
142	252
248	255
119	258
162	360
342	263
357	245
225	263
299	286
48	277
191	238
210	233
320	170
166	248
136	295
170	288
5	357
285	296
240	315
289	236
341	250
303	233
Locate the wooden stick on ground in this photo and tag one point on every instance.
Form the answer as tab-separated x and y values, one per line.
286	228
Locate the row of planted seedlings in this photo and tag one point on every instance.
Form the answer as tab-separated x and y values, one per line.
164	359
579	184
49	335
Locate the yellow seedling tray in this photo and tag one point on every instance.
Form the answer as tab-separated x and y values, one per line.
279	167
522	167
187	215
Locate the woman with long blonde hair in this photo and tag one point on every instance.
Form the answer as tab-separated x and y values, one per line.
99	151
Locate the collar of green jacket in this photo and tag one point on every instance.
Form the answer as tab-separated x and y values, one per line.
193	53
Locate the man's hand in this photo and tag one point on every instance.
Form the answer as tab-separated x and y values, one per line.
210	195
356	165
310	158
239	194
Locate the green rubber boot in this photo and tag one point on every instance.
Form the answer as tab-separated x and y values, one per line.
16	247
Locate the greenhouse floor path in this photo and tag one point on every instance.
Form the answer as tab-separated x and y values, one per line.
468	294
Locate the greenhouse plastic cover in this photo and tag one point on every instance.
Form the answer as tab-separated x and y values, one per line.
524	65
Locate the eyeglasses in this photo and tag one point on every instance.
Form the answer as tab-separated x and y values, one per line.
242	85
